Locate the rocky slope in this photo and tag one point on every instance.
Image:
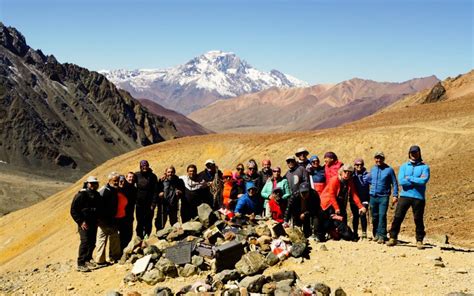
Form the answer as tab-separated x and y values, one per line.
184	125
316	107
201	81
55	115
39	244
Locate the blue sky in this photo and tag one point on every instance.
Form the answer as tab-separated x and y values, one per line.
317	41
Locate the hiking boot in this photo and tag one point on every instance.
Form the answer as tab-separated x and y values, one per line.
419	245
364	235
381	240
391	242
83	268
102	264
92	265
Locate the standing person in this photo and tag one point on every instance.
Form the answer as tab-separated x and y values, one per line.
194	190
317	174
331	165
84	212
168	199
295	175
127	194
413	176
302	157
304	209
213	176
266	171
238	177
276	181
362	184
382	180
252	176
338	191
147	190
108	228
229	192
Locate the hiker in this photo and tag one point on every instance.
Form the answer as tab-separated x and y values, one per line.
412	176
107	223
338	191
362	183
276	181
168	200
127	194
302	157
383	179
250	204
194	189
295	175
229	192
304	209
213	176
266	171
147	190
316	173
84	212
331	165
238	177
252	176
277	205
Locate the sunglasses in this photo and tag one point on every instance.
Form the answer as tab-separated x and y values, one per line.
276	171
252	169
240	169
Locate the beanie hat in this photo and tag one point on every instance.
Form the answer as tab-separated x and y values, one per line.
330	154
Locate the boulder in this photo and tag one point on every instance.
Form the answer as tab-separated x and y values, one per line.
253	284
176	234
162	291
284	275
251	263
162	233
153	251
154	276
188	270
284	288
197	261
227	275
297	249
162	245
206	215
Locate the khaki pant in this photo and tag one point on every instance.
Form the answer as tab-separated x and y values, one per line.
110	233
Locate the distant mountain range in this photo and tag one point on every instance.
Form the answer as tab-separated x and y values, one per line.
55	115
201	81
315	107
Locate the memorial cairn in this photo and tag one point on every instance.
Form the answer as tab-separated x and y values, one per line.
231	254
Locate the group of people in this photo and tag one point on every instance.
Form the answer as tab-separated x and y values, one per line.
311	195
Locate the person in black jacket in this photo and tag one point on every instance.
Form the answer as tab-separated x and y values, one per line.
147	190
168	199
107	222
84	212
304	210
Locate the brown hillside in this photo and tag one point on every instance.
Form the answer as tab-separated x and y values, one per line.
45	232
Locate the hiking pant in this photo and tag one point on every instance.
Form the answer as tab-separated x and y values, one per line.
418	207
87	244
356	216
379	206
144	215
125	228
109	232
162	214
188	211
309	224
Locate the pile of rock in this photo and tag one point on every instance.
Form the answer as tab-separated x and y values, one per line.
233	254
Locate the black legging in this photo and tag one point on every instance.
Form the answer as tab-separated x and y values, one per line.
356	216
144	215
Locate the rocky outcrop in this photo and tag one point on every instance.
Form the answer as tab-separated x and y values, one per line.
62	115
436	94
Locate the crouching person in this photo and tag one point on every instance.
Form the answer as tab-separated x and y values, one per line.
249	204
84	212
304	209
277	205
108	228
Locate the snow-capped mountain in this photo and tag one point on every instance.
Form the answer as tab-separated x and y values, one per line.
200	82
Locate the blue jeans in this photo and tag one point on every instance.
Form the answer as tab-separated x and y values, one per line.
379	206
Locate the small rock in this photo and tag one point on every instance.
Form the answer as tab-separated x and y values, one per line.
192	227
263	230
162	233
283	287
176	234
296	235
167	267
251	263
162	291
154	276
229	235
269	288
284	275
435	258
70	288
153	251
134	293
403	255
162	245
130	278
188	270
340	292
197	261
439	263
297	249
253	284
113	293
461	271
271	259
264	240
324	289
227	275
323	248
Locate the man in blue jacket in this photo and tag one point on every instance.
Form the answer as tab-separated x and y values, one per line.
383	179
413	176
249	204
